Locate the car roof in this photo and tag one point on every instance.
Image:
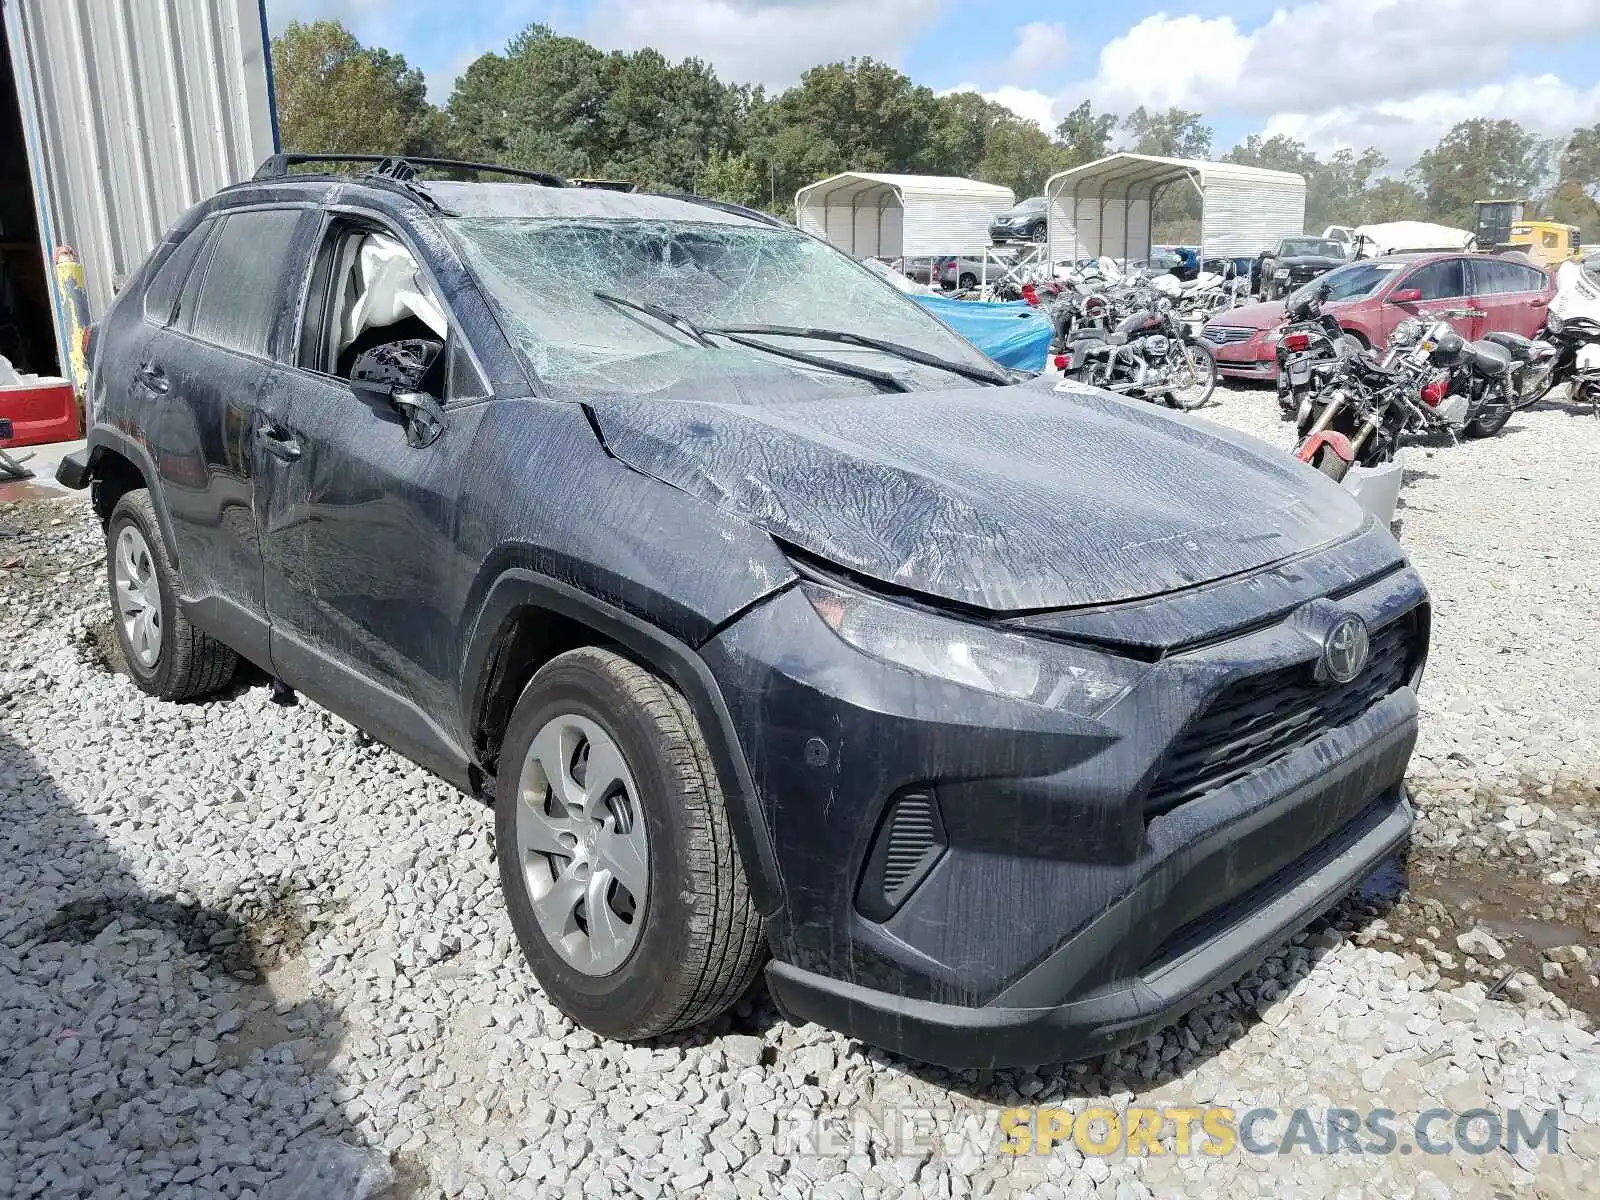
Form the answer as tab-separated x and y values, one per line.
531	200
544	196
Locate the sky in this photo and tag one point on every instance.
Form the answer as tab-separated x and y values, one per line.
1394	74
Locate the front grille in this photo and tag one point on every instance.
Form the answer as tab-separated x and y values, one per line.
1264	718
1223	335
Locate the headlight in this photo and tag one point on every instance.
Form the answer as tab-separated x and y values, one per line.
1040	671
1552	324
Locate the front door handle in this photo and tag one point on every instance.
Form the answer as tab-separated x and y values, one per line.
152	377
278	442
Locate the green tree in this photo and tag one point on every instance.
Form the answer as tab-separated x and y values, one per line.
1477	160
1277	153
1392	200
334	94
856	115
732	177
1018	154
1175	133
557	103
1084	135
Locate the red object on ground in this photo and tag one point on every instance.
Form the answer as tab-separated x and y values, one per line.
46	411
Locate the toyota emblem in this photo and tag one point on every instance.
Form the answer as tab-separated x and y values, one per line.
1344	650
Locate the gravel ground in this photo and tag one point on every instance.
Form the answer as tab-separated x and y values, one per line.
248	952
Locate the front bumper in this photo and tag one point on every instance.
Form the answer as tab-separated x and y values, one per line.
1075	900
1020	1034
1253	359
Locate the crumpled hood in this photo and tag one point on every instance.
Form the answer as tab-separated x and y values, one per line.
1003	499
1319	261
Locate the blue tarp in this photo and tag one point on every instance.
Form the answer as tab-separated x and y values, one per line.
1014	334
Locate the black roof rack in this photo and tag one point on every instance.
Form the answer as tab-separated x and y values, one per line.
399	167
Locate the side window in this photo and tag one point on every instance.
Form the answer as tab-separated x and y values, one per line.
1441	280
162	292
368	291
1526	279
242	294
1492	276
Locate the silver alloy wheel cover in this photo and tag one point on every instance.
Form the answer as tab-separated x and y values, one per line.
583	845
137	594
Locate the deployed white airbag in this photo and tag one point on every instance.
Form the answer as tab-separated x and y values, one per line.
391	289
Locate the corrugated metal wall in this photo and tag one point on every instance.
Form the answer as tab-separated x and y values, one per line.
1082	230
946	224
1247	216
134	110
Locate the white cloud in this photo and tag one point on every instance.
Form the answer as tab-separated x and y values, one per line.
1319	54
1032	105
1042	47
1403	129
1166	60
758	41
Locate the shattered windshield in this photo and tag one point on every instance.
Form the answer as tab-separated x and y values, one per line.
554	281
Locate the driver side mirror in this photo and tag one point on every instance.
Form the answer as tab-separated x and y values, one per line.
1324	291
1406	296
393	373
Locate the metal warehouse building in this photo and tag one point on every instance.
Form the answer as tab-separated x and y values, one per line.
1104	207
901	216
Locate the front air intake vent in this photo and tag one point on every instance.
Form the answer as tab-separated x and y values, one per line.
909	842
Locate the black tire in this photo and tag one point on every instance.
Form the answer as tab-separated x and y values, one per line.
967	282
189	664
1492	422
702	940
1331	465
1037	232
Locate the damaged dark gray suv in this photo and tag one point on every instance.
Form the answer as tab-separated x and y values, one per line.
1001	720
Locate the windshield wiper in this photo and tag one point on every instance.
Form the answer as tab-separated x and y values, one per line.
909	353
688	328
884	380
666	316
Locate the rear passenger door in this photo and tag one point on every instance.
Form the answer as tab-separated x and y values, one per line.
1511	295
201	376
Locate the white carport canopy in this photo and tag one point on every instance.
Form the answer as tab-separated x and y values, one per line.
1103	207
901	216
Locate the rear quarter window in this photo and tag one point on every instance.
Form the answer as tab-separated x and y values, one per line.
244	291
166	285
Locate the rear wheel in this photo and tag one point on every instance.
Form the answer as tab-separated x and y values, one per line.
166	655
616	856
967	282
1496	412
1194	377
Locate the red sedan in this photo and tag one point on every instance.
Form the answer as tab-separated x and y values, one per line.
1372	296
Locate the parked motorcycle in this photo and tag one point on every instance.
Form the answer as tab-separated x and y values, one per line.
1151	353
1311	350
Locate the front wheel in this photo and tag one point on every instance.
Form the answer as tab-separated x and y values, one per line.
967	282
617	859
1194	377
